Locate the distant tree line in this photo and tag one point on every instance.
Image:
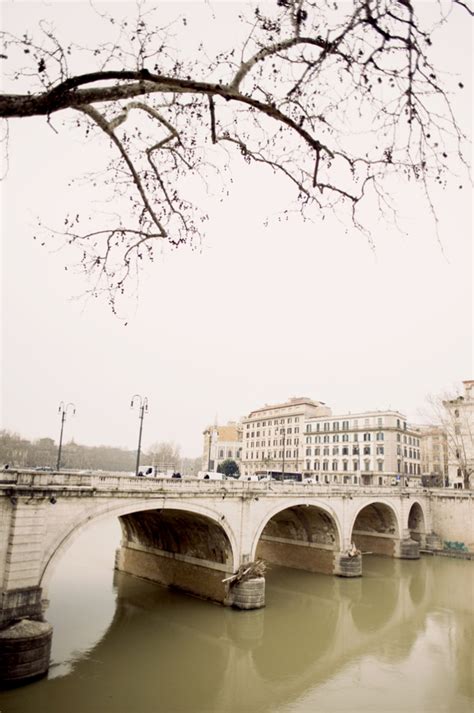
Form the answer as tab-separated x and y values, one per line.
19	452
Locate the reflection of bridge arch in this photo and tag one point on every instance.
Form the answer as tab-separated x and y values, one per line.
74	529
253	668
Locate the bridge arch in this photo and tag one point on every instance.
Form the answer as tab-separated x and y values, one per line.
71	530
375	527
300	534
416	522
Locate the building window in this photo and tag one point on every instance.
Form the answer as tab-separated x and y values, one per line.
380	465
334	465
355	465
344	465
367	450
380	437
345	451
367	465
367	437
325	465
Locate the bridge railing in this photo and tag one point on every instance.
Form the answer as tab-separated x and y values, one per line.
124	482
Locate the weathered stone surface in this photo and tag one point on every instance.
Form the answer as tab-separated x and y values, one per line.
298	555
374	543
25	649
18	603
249	594
346	566
407	549
433	541
196	579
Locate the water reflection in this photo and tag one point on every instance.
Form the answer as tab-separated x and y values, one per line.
398	639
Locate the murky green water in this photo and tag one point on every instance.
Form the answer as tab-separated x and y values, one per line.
397	640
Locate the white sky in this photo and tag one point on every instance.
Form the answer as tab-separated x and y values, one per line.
259	315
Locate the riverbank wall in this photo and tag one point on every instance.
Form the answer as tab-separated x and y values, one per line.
452	513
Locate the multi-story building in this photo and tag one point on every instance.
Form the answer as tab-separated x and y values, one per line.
272	435
373	448
459	424
434	454
302	435
220	444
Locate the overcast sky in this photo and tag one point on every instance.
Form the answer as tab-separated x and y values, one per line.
258	315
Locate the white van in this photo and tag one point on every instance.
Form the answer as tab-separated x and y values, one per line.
210	475
144	470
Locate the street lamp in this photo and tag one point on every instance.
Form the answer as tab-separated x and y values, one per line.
63	409
142	410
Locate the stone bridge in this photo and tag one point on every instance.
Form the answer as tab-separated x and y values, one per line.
190	534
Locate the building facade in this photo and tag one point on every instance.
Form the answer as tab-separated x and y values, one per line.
220	444
459	426
434	455
272	436
371	448
303	436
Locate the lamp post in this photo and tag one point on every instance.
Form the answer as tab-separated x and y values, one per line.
63	409
213	432
142	410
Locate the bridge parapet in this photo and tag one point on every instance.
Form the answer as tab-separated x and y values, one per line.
123	482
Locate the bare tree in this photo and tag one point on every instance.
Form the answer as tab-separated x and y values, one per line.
338	98
454	415
165	455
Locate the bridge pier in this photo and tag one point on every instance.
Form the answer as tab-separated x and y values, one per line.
407	549
25	638
348	566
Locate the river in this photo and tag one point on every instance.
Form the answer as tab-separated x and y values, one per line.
397	640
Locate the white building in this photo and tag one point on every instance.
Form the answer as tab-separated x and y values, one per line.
459	426
434	454
272	435
372	448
